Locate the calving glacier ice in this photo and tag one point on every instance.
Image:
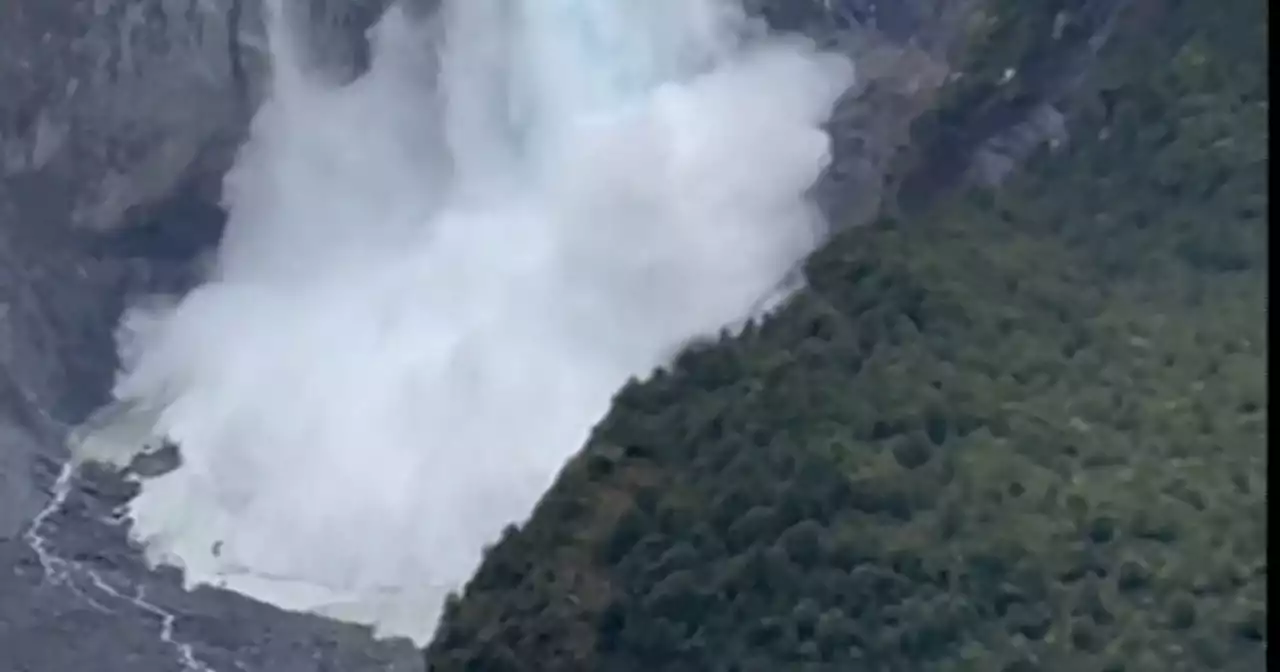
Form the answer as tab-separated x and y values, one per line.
435	277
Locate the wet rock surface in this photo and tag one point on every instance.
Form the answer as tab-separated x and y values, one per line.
76	597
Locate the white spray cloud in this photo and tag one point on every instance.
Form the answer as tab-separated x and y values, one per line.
435	278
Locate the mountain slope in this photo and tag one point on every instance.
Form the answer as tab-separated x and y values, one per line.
1019	431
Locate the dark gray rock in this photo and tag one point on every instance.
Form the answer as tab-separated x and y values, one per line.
985	140
109	104
97	606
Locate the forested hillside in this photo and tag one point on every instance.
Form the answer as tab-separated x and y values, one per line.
1016	430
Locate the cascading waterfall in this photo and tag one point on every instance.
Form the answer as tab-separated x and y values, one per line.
434	278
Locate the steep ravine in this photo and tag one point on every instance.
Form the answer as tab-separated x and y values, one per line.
117	120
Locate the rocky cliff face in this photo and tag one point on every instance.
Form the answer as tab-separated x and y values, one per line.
117	120
946	94
111	105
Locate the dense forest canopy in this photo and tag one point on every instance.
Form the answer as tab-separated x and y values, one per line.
1020	429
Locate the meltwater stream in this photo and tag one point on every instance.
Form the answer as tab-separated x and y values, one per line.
434	279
